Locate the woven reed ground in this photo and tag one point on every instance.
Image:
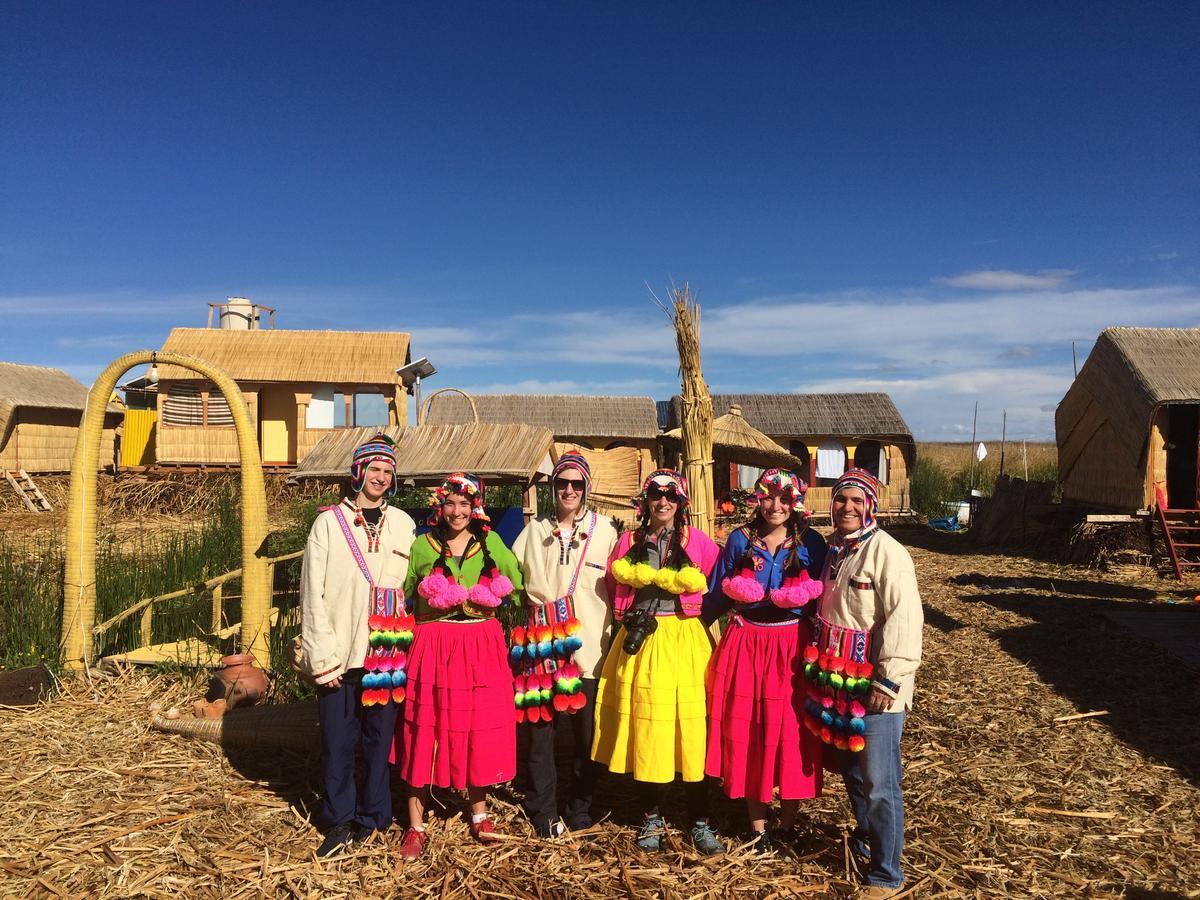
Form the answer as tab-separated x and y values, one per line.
96	804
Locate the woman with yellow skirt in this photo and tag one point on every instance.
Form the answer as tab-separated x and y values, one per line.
651	713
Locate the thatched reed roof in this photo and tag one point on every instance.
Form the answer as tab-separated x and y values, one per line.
740	442
37	387
1129	374
320	357
566	415
809	415
427	453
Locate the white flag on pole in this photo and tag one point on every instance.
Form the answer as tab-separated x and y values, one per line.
980	452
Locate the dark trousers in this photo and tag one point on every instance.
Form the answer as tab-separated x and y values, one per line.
345	725
541	800
651	798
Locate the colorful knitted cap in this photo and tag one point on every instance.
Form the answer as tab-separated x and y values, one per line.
574	461
669	482
865	482
786	484
379	448
465	486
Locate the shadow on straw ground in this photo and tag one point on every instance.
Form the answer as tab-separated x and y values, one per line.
1152	696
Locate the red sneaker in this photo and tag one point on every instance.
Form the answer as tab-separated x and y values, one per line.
412	844
484	831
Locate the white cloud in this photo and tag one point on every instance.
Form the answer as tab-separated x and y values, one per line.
1007	280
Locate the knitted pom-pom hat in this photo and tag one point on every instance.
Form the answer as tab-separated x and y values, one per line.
380	448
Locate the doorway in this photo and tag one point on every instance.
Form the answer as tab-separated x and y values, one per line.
1183	453
277	425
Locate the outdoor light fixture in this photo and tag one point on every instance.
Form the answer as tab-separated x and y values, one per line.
152	375
411	375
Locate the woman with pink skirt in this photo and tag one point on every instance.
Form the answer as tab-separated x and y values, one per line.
756	744
457	729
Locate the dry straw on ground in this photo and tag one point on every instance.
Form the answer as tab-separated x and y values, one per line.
1012	788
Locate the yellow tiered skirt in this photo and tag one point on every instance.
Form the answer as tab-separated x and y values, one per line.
651	713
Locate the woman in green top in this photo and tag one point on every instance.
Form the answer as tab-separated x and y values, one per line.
458	728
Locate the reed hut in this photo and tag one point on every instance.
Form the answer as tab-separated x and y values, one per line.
140	424
736	444
618	435
40	409
827	434
299	386
1129	425
505	454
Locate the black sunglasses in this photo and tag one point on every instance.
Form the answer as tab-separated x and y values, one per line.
658	494
562	484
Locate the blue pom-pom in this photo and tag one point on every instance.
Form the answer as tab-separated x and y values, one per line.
545	648
399	678
857	725
370	681
826	717
531	650
813	708
841	723
516	654
559	647
572	643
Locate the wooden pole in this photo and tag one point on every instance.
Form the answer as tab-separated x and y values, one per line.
1025	458
974	420
1003	436
79	579
1074	364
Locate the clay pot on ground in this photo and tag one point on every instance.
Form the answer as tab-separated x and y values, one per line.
239	681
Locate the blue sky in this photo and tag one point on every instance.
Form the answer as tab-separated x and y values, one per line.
932	200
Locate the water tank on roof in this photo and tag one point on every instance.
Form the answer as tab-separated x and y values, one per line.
239	314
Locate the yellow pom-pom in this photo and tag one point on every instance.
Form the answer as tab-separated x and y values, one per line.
643	575
665	579
622	570
691	580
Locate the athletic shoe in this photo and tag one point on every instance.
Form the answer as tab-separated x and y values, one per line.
651	833
337	839
483	831
705	839
412	845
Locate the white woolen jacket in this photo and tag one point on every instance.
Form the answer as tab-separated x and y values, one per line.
335	598
545	581
876	591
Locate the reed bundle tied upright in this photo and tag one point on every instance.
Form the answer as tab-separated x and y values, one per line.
697	417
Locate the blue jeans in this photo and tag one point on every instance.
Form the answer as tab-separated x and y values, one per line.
347	725
872	779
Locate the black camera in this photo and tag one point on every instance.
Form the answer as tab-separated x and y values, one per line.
639	625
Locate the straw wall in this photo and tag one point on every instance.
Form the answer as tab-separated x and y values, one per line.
195	445
43	440
1103	474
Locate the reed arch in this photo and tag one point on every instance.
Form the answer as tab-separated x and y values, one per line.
79	579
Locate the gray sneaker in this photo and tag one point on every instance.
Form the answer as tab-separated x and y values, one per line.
650	835
705	839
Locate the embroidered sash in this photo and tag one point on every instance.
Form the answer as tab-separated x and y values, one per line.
547	680
390	636
837	674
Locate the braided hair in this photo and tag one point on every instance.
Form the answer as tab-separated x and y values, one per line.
479	530
675	557
797	524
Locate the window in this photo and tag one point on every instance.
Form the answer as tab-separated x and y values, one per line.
831	462
370	410
321	409
870	455
183	406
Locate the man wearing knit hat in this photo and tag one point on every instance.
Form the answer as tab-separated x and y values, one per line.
354	564
564	557
868	634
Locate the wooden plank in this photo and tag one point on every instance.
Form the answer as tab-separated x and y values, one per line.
1102	519
190	652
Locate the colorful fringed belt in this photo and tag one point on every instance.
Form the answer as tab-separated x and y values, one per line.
546	679
387	654
391	634
837	677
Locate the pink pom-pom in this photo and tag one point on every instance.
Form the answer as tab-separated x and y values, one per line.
481	595
796	592
432	585
452	595
502	586
742	589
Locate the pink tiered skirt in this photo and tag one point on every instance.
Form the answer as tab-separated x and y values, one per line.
458	727
755	696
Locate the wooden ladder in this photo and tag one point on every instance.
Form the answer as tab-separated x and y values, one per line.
1181	530
28	491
